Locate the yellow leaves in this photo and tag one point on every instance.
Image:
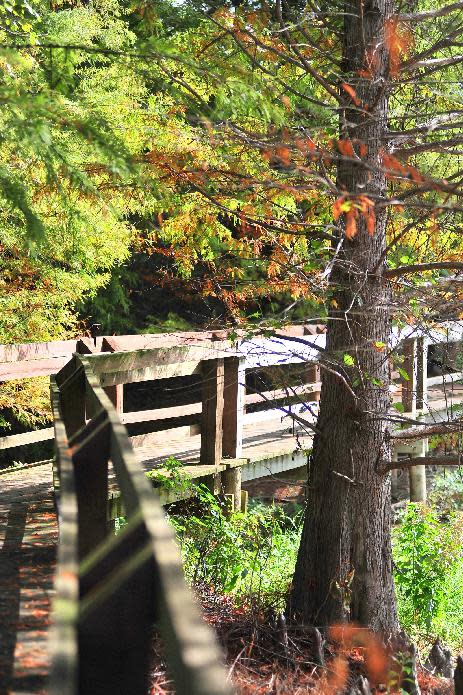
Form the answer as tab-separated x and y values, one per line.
379	346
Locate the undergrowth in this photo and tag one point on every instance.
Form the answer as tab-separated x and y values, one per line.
251	556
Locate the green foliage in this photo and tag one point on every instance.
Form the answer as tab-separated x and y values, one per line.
252	555
428	558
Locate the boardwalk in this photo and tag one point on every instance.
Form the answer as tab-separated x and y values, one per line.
237	440
28	537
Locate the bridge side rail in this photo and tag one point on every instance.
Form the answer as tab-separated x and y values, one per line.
111	590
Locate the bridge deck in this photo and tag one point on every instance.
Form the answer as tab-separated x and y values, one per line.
28	538
262	441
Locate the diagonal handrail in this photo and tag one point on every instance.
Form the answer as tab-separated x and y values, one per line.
111	589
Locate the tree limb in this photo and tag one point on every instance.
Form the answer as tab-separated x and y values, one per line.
421	267
386	466
428	430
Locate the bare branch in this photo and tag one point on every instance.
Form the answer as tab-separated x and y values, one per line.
421	267
431	14
428	430
386	466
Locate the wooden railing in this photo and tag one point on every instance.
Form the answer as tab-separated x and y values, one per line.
111	590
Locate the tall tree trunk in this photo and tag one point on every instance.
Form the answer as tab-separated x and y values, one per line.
344	566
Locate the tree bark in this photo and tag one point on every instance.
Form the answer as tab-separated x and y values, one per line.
344	566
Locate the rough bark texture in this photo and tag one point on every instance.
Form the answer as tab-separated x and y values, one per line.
344	567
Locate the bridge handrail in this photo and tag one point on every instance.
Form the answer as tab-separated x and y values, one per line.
110	590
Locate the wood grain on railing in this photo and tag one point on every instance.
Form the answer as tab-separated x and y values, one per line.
101	642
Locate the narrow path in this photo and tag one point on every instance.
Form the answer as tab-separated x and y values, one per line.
28	538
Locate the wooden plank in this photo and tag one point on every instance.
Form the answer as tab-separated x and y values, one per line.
109	363
73	401
309	391
98	565
172	435
26	370
63	633
150	373
25	438
212	411
161	413
115	628
116	392
90	455
37	351
122	343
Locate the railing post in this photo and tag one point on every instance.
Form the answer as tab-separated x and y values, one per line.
233	410
413	393
72	393
90	454
212	411
312	376
421	372
409	366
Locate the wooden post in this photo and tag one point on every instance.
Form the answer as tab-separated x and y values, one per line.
417	478
72	393
421	372
231	483
312	376
116	396
212	411
233	410
412	395
409	385
90	454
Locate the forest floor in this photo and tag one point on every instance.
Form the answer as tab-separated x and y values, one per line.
263	655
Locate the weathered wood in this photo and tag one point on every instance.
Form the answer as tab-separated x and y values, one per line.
110	363
409	351
72	391
90	456
298	394
184	632
35	351
25	370
25	438
63	633
175	411
151	373
231	484
234	392
123	343
98	565
421	461
115	627
212	411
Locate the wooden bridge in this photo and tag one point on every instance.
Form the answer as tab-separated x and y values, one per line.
247	413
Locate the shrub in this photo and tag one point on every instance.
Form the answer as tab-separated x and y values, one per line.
427	555
252	555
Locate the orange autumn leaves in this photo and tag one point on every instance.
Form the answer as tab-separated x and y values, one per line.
353	208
